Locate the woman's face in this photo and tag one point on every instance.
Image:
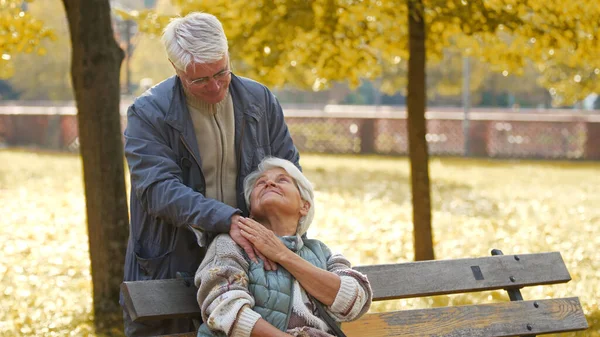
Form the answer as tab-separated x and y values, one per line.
275	191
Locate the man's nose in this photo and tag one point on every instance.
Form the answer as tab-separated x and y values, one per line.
213	84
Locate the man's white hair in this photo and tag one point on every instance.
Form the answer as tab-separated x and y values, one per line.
304	187
195	38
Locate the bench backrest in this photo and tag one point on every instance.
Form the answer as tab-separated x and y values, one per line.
177	297
438	277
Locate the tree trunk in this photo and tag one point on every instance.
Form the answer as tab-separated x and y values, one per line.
419	167
95	65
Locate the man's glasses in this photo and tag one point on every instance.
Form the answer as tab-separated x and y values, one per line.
203	81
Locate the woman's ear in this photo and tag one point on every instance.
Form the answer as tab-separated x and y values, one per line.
305	207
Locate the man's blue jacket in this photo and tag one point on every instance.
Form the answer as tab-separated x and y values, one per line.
167	185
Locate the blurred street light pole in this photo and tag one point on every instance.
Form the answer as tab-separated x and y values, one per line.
466	101
128	28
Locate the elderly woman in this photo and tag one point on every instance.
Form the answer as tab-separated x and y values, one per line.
301	283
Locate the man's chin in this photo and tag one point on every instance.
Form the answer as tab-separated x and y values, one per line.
212	100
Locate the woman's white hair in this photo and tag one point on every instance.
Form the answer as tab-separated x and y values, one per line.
195	38
304	187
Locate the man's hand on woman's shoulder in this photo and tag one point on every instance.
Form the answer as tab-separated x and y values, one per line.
246	245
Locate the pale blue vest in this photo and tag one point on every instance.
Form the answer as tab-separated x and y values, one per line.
272	290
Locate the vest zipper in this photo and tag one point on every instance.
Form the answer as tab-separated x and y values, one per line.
289	313
197	163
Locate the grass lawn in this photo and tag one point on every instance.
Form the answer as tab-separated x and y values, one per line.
363	210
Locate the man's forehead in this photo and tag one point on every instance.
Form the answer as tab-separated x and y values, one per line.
206	69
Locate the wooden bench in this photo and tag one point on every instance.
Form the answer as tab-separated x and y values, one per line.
147	300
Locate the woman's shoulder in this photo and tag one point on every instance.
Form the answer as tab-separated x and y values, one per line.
313	242
317	245
334	259
224	245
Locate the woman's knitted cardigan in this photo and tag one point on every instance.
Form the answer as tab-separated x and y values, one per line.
227	302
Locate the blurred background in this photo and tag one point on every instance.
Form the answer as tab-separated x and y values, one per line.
521	108
512	117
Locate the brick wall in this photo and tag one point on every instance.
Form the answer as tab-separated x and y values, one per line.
342	129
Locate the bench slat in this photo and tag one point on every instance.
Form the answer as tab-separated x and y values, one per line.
498	319
159	299
437	277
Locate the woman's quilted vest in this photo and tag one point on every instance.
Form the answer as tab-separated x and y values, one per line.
272	290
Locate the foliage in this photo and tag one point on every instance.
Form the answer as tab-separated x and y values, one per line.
478	205
20	32
489	85
149	20
46	77
311	44
148	60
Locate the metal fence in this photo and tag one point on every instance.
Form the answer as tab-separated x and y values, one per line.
497	133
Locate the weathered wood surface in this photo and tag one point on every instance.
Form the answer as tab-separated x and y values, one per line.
485	320
173	298
159	299
148	300
428	278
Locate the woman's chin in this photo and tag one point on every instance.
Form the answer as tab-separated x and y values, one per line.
271	206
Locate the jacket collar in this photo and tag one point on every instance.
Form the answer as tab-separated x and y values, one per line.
178	115
244	102
292	242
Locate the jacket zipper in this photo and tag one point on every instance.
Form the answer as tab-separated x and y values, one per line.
239	162
197	163
222	165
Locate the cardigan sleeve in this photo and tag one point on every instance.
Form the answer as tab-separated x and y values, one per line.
223	294
355	295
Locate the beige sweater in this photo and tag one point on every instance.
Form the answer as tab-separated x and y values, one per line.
214	126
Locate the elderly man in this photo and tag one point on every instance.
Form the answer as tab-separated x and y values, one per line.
190	142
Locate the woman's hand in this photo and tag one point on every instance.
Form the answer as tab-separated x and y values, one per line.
263	239
322	284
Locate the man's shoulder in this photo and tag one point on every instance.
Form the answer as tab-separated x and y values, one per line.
251	88
159	96
255	95
251	84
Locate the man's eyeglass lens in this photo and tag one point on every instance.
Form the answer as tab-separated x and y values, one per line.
204	80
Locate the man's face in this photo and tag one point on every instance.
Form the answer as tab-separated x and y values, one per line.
207	82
